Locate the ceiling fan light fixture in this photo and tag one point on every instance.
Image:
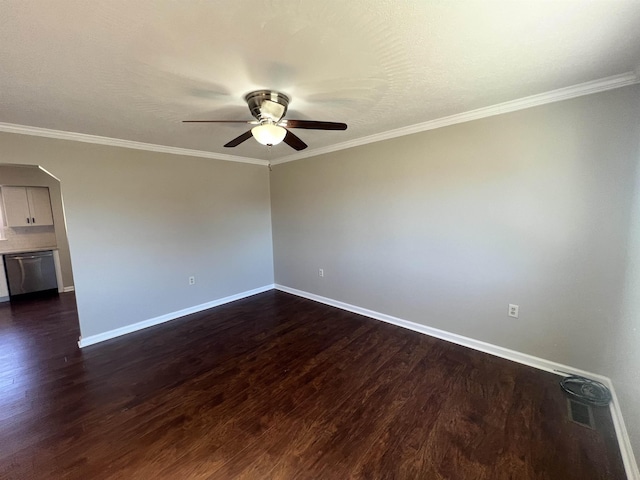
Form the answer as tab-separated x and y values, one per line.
269	134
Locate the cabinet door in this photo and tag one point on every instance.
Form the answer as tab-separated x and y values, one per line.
40	206
16	206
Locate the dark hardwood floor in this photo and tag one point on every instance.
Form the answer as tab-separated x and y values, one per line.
278	387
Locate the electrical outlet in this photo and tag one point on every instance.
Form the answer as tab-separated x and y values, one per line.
513	310
192	280
321	272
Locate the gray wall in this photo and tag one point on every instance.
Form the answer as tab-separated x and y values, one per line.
33	176
140	223
623	361
446	227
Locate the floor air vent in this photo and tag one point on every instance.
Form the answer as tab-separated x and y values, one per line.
580	413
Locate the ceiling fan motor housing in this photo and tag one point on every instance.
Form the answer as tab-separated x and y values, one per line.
267	105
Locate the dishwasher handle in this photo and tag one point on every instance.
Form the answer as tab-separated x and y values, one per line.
30	257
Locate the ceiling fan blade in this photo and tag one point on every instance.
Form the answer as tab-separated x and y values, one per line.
314	125
217	121
238	140
294	142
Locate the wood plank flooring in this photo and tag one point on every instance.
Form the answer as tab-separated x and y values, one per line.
278	387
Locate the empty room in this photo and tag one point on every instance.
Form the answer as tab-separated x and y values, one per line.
278	239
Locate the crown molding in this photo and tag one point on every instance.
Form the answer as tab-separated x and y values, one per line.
587	88
117	142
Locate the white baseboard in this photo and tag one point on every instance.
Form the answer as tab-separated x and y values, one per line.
502	352
69	289
624	443
101	337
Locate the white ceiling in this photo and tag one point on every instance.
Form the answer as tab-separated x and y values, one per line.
134	69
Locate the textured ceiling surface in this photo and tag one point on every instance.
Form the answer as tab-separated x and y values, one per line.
134	69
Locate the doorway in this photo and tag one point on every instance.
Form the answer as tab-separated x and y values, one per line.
37	236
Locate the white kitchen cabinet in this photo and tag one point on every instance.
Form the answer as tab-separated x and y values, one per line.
27	206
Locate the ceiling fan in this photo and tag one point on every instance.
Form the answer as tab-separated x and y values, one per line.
269	109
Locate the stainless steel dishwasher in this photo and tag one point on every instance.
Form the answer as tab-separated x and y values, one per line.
30	272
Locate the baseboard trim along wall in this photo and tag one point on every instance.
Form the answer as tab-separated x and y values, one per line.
69	289
101	337
630	465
